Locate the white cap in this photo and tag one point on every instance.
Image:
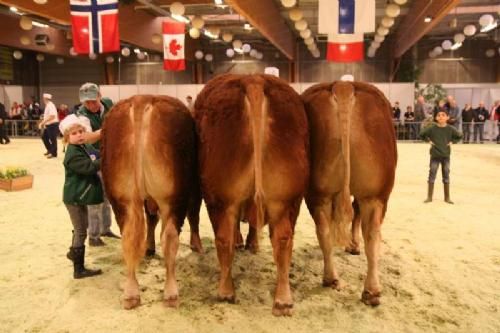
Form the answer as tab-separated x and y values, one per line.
73	119
47	96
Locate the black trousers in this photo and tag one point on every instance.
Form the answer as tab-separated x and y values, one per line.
49	138
3	134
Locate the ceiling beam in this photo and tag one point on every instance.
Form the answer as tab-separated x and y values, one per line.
265	16
413	27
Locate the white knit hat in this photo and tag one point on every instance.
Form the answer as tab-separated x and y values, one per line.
47	96
71	120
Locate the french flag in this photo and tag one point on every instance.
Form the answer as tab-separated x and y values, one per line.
173	46
94	25
345	47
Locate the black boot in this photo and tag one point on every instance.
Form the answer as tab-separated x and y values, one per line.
430	191
79	270
447	194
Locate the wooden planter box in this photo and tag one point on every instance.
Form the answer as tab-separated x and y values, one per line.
16	184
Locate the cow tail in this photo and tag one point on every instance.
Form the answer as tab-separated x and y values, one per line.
257	107
343	213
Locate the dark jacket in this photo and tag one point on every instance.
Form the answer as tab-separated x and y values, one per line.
419	112
440	137
82	185
467	115
480	115
3	113
97	118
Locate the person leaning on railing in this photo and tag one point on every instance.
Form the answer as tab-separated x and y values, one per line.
467	117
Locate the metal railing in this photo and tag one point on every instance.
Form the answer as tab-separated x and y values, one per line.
20	128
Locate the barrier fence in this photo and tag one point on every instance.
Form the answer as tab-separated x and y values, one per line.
405	131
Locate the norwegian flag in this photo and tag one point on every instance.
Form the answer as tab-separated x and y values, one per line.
95	26
173	46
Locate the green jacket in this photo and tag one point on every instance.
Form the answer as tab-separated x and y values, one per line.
82	185
440	137
96	119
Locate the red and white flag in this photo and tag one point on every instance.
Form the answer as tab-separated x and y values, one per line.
173	46
345	47
94	25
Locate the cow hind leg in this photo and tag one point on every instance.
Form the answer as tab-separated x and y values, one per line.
371	221
194	223
152	220
170	244
224	223
131	217
323	218
353	247
281	233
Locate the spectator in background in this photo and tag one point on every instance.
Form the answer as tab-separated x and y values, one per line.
190	104
419	113
4	139
50	126
467	117
396	116
496	118
455	115
410	123
15	111
440	106
480	116
34	110
492	122
62	112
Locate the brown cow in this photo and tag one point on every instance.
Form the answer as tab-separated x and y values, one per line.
148	154
253	151
353	152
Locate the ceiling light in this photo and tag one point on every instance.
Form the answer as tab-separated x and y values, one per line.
218	2
247	26
210	34
455	46
180	18
489	27
13	9
136	50
427	19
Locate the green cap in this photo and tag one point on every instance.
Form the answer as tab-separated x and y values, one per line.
89	92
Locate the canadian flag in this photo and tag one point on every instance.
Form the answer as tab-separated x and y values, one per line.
345	47
173	46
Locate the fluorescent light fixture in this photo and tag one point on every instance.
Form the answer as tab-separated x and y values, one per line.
427	19
489	27
238	50
13	9
136	50
40	25
209	34
247	26
455	46
180	18
218	2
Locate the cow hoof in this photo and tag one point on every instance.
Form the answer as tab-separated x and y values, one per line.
353	250
228	298
171	301
282	309
131	302
150	253
372	299
334	284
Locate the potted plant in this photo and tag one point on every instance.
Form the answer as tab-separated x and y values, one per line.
15	179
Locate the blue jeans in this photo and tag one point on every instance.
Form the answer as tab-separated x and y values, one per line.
445	169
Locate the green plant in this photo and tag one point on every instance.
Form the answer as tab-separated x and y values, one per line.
13	172
431	92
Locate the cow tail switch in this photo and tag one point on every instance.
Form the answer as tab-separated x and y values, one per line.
256	105
343	102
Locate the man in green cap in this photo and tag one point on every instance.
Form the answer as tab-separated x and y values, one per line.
95	107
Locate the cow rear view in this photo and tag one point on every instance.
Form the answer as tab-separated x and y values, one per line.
148	154
253	152
353	153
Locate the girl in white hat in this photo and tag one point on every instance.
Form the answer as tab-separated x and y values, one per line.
82	187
